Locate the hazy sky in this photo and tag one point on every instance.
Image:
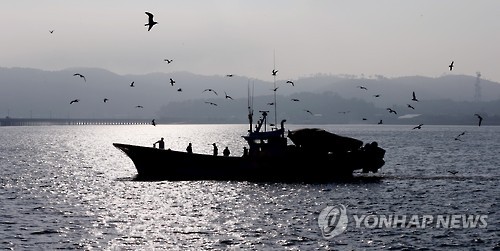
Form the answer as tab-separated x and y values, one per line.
391	38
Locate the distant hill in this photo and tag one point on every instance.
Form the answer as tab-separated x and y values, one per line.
332	99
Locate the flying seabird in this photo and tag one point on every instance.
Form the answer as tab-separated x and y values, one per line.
172	82
418	127
309	112
274	72
451	65
376	95
362	87
105	100
151	22
458	136
294	99
275	89
210	90
74	101
227	96
179	90
345	112
139	106
51	31
414	98
409	106
391	111
480	118
290	82
230	75
81	76
168	60
453	172
132	84
210	103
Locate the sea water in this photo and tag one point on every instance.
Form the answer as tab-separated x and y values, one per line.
67	187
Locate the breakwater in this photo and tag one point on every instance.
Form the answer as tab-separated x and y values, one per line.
67	121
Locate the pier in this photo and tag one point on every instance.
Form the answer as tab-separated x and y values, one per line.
40	121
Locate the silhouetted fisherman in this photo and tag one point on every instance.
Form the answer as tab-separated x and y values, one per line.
161	144
216	150
226	152
189	148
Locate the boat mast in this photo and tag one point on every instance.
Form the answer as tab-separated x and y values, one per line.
274	75
250	105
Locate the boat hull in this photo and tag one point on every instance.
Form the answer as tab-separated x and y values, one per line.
293	165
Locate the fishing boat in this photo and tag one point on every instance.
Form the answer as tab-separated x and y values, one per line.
315	155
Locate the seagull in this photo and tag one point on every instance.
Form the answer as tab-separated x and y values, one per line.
153	122
409	106
290	82
168	60
81	76
453	172
414	98
391	111
179	90
230	75
227	96
418	127
458	136
275	89
294	99
345	112
51	31
74	101
150	23
362	87
210	103
376	95
105	100
480	118
363	118
210	90
172	82
132	84
309	112
139	106
451	65
274	72
380	122
271	103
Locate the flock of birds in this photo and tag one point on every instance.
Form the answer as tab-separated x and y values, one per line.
415	99
151	23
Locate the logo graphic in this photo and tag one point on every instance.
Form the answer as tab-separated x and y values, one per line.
332	221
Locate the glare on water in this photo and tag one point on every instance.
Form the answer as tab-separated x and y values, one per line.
67	187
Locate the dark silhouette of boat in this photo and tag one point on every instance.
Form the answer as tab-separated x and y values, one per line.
316	155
